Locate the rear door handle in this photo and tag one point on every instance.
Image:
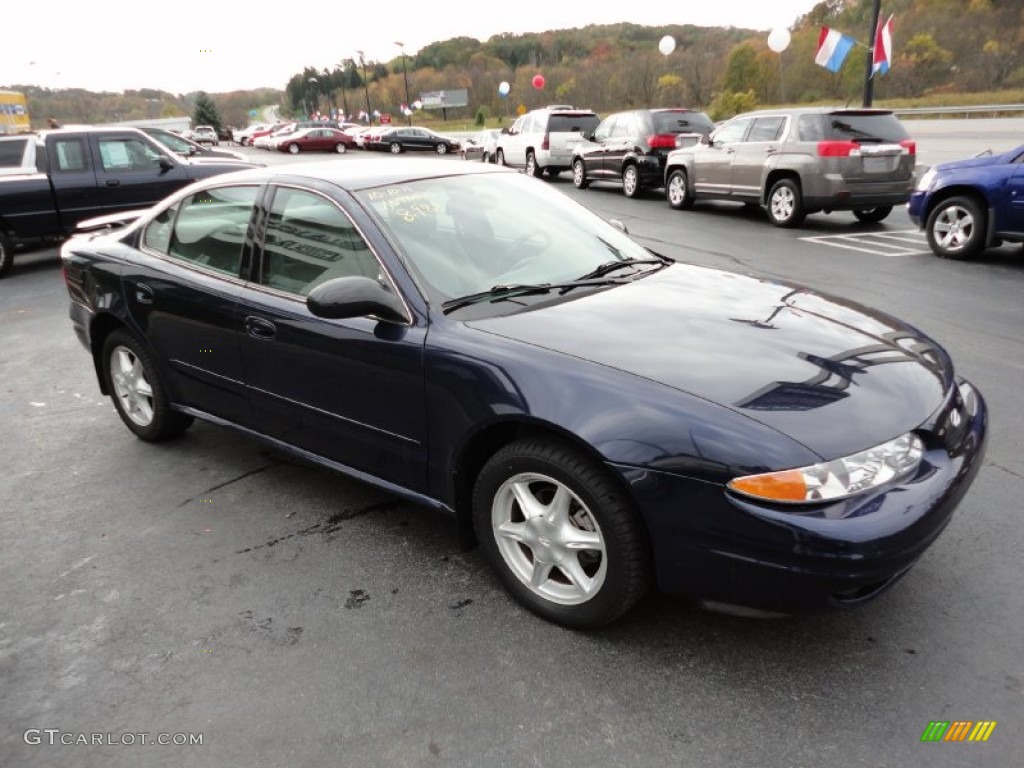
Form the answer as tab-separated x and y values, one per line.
113	182
259	328
143	294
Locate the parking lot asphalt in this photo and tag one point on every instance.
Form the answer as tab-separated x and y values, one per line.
287	616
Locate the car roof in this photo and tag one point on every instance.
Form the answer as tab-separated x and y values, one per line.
361	173
817	111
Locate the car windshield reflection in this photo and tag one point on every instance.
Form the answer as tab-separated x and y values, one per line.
465	235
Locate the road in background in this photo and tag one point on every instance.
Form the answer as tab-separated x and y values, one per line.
293	617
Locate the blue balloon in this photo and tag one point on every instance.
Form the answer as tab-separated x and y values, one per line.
252	113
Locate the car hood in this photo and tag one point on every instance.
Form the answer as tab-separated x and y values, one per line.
831	374
980	162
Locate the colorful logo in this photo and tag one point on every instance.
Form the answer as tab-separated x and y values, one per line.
958	730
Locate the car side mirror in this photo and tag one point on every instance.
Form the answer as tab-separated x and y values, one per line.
165	163
346	297
706	140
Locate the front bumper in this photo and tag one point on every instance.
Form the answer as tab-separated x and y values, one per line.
715	546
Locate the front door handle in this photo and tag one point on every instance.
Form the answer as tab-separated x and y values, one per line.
259	328
113	182
143	294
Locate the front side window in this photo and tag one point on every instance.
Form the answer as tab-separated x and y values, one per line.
127	154
211	227
309	241
733	132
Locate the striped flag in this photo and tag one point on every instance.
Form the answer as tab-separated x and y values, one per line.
833	48
882	56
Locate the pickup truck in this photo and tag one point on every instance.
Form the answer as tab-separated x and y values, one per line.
52	180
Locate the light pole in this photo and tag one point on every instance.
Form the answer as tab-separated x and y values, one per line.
366	87
314	81
405	77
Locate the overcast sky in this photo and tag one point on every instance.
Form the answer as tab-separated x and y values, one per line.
115	45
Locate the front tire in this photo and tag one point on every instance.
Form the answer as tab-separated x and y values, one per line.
532	169
579	174
501	157
293	149
6	254
441	149
956	228
872	215
785	204
135	387
563	538
677	191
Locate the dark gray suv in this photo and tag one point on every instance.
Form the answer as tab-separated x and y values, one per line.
799	161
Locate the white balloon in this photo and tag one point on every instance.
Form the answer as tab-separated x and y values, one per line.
667	44
503	88
778	39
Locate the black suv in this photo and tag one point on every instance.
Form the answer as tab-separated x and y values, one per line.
630	148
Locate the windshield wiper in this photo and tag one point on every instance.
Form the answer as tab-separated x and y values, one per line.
505	292
611	266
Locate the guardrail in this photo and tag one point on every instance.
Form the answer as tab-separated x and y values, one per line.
989	109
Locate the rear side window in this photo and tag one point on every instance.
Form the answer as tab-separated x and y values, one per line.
70	155
682	122
581	123
11	152
851	126
211	228
766	129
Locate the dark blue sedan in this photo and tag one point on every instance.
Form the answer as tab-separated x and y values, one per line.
966	206
602	418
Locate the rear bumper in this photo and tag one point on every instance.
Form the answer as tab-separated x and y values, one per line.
717	547
833	192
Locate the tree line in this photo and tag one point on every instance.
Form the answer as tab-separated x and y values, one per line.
941	47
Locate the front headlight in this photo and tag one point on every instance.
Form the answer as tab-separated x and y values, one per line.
889	462
926	180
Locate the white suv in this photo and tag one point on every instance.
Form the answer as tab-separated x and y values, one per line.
543	140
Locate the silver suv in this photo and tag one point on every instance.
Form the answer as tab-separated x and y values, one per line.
799	161
543	140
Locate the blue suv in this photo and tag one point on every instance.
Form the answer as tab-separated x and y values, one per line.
966	206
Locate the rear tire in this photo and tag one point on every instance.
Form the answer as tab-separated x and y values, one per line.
785	204
630	181
956	228
6	254
532	169
564	539
340	148
137	391
872	215
396	148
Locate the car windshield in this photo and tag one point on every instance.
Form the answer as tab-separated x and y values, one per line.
576	123
466	234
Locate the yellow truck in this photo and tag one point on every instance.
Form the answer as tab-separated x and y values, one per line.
13	113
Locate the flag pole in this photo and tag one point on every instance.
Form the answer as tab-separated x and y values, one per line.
869	82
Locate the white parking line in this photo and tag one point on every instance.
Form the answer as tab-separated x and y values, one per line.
876	243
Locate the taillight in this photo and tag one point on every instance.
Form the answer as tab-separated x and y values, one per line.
838	149
662	141
909	146
546	142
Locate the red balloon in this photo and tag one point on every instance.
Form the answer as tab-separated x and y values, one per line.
538	82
